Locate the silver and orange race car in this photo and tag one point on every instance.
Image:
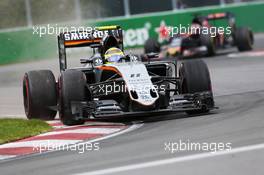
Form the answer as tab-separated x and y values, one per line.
113	84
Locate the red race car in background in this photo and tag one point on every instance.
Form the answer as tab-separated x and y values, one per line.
203	38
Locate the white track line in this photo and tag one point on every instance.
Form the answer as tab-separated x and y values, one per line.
38	143
84	131
173	160
54	122
2	157
129	129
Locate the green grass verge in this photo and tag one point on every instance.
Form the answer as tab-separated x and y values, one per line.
14	129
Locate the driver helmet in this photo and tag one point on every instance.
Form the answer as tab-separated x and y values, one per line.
113	55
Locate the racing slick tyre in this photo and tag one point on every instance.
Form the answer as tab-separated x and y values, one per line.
195	77
71	88
39	94
244	39
151	46
208	42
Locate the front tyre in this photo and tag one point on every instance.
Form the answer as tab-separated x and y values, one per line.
39	94
195	78
71	88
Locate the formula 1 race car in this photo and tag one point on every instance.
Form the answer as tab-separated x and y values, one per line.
113	84
204	39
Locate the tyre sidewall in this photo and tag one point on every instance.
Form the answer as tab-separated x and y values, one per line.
39	91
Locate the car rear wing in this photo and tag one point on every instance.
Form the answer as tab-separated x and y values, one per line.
91	39
216	16
230	17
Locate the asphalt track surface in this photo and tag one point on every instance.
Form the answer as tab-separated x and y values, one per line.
238	84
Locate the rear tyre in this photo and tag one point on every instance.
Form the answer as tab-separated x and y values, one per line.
208	42
244	39
151	46
71	88
195	77
39	94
